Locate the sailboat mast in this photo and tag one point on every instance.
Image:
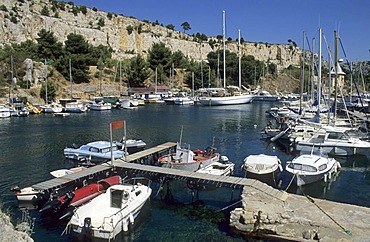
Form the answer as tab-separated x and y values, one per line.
240	62
156	80
120	77
336	72
319	72
70	75
46	82
302	81
224	44
192	83
12	77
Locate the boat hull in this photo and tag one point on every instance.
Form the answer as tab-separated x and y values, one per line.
270	178
188	166
229	100
333	149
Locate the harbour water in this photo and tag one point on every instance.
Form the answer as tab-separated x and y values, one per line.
31	147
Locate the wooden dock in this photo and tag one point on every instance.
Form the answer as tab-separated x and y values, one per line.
137	164
201	178
144	157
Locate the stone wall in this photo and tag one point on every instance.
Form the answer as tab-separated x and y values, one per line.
299	218
8	232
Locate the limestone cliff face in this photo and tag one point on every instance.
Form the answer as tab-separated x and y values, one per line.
22	20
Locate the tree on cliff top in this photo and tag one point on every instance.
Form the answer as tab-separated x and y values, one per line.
185	26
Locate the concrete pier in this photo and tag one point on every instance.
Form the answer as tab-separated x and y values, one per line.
299	218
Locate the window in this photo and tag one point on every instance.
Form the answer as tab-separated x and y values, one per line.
322	167
116	199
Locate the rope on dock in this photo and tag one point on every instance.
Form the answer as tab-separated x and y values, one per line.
349	232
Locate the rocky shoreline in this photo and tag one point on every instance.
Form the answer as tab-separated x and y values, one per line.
299	218
8	233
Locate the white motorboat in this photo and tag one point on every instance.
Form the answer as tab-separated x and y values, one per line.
132	145
333	142
100	106
112	212
310	168
52	108
125	103
75	107
265	168
265	96
64	172
97	151
26	194
4	111
183	101
224	168
189	160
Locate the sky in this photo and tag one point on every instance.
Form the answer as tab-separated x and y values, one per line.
270	21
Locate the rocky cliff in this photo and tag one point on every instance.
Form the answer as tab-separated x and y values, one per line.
22	20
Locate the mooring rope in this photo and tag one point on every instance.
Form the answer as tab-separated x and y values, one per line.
349	232
222	209
290	183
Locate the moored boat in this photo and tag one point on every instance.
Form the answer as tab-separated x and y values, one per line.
52	108
183	101
189	160
97	151
131	145
63	206
64	172
27	194
4	111
100	106
265	168
109	214
75	107
310	168
224	168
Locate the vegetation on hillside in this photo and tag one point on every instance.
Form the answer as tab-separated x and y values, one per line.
76	55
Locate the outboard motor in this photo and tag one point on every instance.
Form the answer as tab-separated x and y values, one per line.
51	206
15	188
224	159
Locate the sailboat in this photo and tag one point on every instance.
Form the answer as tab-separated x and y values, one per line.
227	98
72	105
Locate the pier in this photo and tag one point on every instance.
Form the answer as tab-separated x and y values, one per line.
137	163
265	213
103	170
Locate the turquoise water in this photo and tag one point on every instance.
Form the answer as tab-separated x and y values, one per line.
32	147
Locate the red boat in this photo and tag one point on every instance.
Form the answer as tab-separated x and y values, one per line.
64	205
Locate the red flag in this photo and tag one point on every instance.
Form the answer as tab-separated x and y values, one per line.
117	125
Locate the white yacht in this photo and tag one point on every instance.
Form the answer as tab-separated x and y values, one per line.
112	212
